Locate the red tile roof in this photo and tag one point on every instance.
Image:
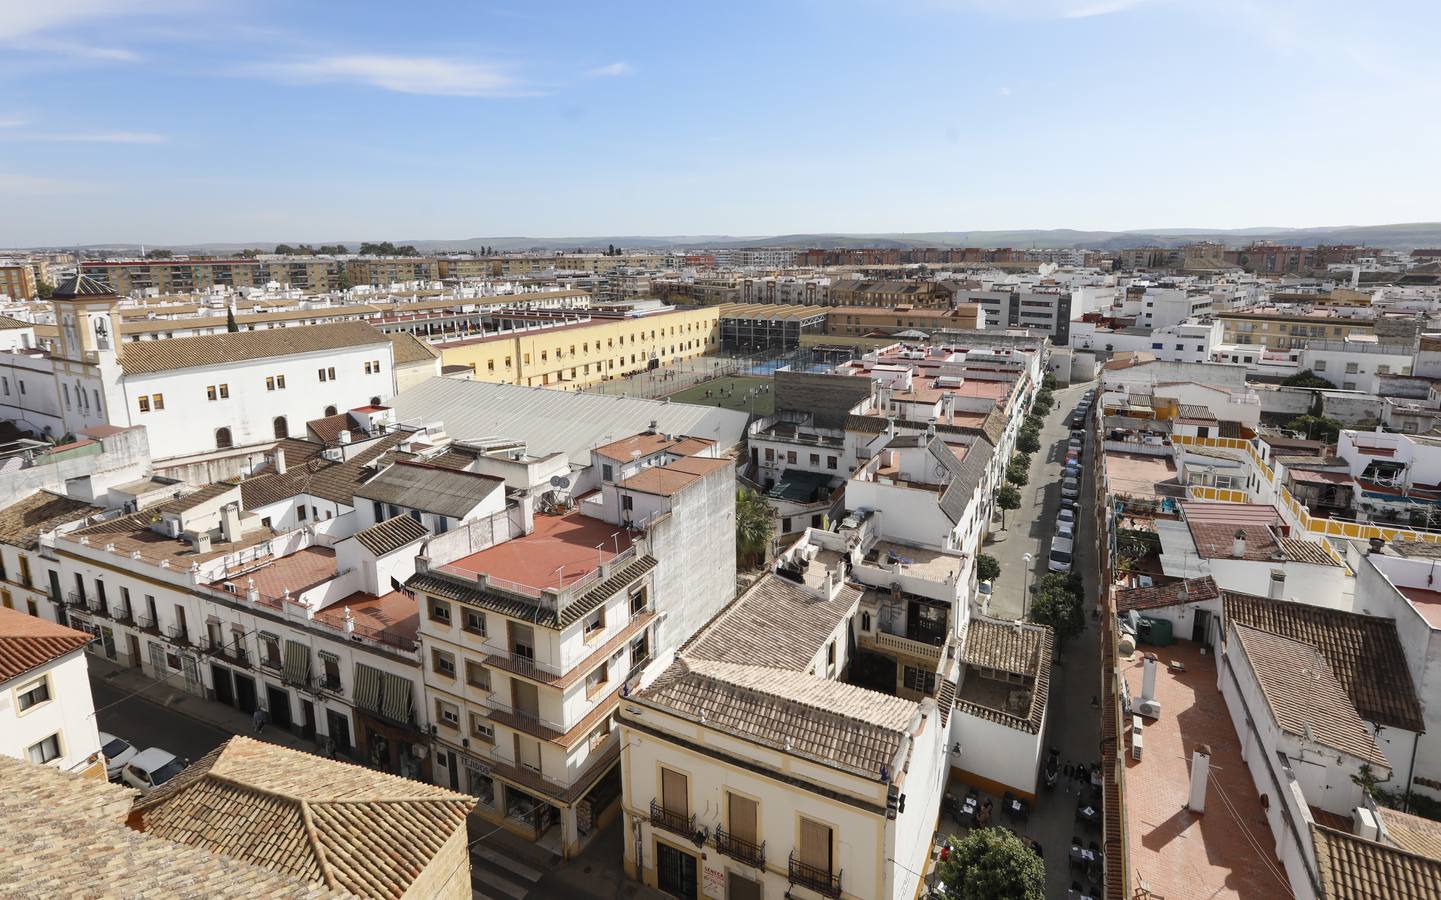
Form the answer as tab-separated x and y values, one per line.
27	642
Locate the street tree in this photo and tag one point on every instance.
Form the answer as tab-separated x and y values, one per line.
992	864
1008	497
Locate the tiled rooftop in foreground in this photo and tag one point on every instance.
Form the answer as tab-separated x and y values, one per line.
1225	852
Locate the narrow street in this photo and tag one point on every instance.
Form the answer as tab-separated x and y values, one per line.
1073	726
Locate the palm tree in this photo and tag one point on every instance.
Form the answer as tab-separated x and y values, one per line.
753	527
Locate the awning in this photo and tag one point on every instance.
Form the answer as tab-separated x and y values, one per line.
397	703
297	663
367	687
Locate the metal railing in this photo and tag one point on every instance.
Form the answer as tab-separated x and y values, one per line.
178	633
674	822
748	852
329	684
822	881
76	600
231	652
521	663
147	623
524	716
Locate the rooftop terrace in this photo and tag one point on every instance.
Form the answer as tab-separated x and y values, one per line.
558	553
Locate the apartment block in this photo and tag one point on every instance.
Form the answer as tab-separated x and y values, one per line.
187	276
531	638
17	280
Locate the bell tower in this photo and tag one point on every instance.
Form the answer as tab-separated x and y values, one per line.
85	317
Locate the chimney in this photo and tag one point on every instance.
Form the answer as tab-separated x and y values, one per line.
930	428
343	437
654	427
1148	677
230	522
280	460
201	542
252	593
1238	546
1363	824
1200	774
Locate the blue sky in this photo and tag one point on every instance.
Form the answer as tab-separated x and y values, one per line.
169	121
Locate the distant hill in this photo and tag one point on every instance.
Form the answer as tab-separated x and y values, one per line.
1405	236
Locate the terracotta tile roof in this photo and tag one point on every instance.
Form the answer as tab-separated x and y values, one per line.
22	522
327	429
637	446
392	534
674	477
1195	411
1412	833
1027	653
1189	591
777	623
1364	653
195	498
1353	868
1002	646
142	357
350	828
1216	540
319	477
827	721
10	324
407	348
1304	695
28	642
67	837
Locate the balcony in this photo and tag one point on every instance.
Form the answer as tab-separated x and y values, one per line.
178	634
521	664
77	600
904	646
147	623
329	684
523	720
232	653
123	616
674	822
814	878
751	854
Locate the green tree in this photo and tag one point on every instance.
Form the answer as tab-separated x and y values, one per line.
1316	428
987	568
230	324
284	250
1028	441
1016	473
1058	608
1008	497
754	525
159	254
1307	379
1034	422
1048	381
43	289
992	864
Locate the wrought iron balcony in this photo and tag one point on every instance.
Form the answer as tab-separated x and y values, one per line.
76	600
147	623
178	634
739	848
232	653
674	822
822	881
329	684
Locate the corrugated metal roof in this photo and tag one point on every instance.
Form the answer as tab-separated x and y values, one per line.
551	421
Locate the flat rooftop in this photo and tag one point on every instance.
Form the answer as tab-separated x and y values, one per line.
1141	476
393	614
297	572
560	550
1224	852
931	565
132	534
1427	603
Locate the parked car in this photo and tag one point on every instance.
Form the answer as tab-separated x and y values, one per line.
1078	435
1060	558
983	594
1089	394
118	752
1070	488
1068	504
1066	530
1072	470
1076	444
1077	420
151	768
1067	515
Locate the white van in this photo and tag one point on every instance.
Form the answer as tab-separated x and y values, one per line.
1060	559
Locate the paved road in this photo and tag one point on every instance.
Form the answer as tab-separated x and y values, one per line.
1073	726
146	723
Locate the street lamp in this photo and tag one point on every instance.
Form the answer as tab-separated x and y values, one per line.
1025	574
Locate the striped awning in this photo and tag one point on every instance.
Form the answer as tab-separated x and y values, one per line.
367	687
397	704
297	663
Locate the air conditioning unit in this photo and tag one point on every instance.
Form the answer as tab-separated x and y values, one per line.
1151	709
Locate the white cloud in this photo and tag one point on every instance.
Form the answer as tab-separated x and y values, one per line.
12	123
1005	92
614	70
24	19
403	74
87	137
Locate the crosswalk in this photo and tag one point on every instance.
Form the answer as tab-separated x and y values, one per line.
496	876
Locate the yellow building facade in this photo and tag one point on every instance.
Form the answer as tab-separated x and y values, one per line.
573	356
17	281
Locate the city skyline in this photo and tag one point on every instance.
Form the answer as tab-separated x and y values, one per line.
184	121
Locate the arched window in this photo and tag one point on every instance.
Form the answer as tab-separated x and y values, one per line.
330	410
282	428
223	439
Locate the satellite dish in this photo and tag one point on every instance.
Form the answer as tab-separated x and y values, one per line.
559	481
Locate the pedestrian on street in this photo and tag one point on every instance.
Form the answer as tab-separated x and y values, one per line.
259	720
1070	773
